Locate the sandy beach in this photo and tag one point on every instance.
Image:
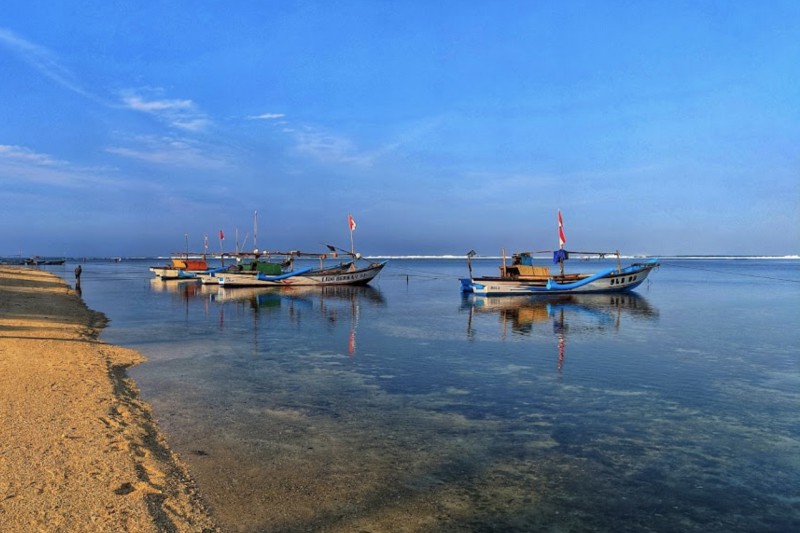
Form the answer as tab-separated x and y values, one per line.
79	451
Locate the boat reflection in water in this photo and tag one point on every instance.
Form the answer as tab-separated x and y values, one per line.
184	289
330	306
559	315
333	305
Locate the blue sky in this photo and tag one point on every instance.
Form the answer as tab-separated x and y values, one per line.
656	127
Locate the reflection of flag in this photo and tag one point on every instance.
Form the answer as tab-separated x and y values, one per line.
351	344
221	235
561	239
351	222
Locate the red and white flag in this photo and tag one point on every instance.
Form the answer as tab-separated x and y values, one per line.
561	239
351	222
221	235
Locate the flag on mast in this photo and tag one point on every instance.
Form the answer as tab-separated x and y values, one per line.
221	235
561	239
352	224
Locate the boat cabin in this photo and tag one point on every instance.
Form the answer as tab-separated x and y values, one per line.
522	267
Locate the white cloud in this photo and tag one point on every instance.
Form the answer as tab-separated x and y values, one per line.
20	154
267	116
168	151
194	124
181	114
139	104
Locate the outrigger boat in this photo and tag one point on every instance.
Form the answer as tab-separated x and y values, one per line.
181	268
245	263
523	277
284	274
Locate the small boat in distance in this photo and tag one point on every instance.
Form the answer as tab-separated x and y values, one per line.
41	261
523	277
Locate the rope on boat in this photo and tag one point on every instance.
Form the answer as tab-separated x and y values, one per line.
772	278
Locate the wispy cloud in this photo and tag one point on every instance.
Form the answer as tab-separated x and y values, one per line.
43	60
21	165
329	147
267	116
170	151
20	154
139	104
181	114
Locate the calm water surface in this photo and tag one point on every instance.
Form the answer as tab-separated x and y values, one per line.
406	406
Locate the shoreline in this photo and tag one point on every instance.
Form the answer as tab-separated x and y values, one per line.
79	449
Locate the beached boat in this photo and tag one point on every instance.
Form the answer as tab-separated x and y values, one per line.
523	277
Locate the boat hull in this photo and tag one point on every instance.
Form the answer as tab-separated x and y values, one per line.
612	280
361	276
169	273
180	268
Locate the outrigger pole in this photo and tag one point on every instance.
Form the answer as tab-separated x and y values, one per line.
470	255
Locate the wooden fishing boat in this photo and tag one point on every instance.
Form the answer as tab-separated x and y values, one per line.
246	264
522	276
343	274
286	275
181	268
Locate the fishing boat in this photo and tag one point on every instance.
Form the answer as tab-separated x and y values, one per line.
522	276
346	273
181	268
284	274
245	263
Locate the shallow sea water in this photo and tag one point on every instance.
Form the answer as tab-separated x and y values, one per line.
407	406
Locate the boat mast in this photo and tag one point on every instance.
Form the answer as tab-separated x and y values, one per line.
351	223
255	233
562	240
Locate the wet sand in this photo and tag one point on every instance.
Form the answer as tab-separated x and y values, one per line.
79	451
